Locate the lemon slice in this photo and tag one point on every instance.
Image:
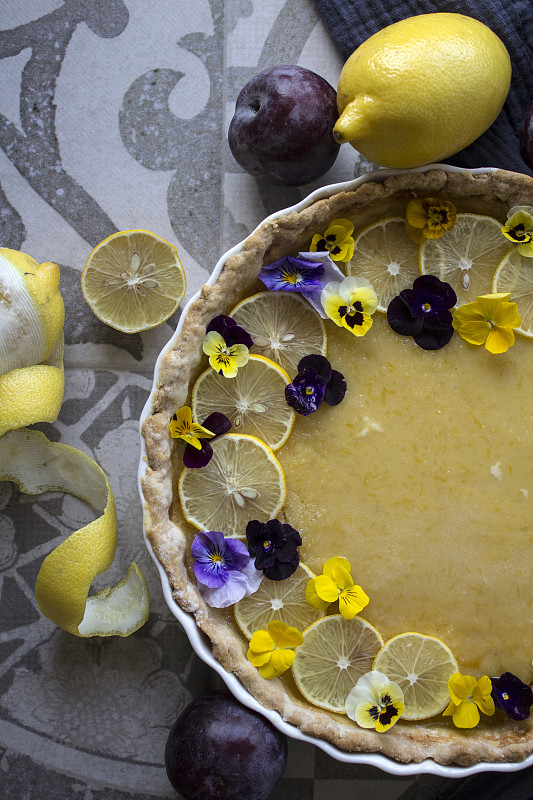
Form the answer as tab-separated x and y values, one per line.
515	275
284	327
254	401
334	654
386	256
421	666
467	256
133	280
283	600
243	481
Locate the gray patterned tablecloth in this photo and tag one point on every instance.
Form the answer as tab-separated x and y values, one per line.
113	115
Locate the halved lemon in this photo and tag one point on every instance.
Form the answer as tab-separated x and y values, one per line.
334	654
243	481
283	600
421	666
284	327
254	401
133	280
515	275
467	256
386	256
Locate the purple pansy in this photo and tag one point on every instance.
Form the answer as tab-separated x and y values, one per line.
230	331
218	424
512	696
224	569
274	545
423	312
315	382
306	273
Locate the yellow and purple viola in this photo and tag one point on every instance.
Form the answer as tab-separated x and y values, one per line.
490	320
336	584
272	650
375	702
350	303
429	218
198	451
227	345
224	569
315	383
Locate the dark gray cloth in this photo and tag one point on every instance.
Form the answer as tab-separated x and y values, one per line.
350	22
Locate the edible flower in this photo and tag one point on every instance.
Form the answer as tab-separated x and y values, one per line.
337	238
198	455
375	702
272	651
334	584
315	382
429	218
519	229
350	303
274	545
468	697
489	320
227	345
307	274
423	312
512	696
223	568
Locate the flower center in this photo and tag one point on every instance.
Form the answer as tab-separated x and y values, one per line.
426	306
267	544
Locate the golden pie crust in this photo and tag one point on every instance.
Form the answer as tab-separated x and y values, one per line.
492	193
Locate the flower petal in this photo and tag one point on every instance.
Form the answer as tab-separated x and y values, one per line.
336	561
400	318
335	388
196	459
280	661
352	601
326	588
261	642
472	332
461	686
284	635
217	423
213	343
466	715
312	597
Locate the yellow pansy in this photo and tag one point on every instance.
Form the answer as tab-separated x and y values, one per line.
468	697
334	584
489	320
519	229
181	426
272	651
429	218
375	702
337	238
350	304
225	359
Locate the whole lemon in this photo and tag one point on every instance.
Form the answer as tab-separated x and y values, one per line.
422	89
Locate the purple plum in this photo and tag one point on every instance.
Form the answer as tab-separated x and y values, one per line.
526	137
219	750
282	129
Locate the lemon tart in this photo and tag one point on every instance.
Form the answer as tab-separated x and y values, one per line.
420	480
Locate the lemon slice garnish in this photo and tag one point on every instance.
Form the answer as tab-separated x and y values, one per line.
133	280
386	256
284	327
335	653
515	275
254	401
421	666
467	256
243	481
283	600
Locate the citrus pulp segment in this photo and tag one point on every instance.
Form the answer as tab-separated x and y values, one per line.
253	401
386	256
335	653
284	327
243	481
283	600
466	256
133	280
421	666
515	275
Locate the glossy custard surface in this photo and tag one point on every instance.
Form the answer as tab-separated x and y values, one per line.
423	478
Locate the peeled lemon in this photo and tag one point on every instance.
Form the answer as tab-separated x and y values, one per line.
422	89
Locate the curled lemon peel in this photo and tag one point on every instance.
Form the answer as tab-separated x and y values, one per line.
33	392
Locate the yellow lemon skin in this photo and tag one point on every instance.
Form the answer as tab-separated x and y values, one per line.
422	89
